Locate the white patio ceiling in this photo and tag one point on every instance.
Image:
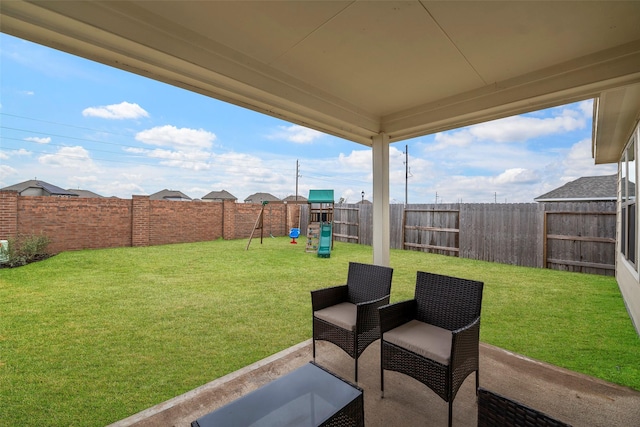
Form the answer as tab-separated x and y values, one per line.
373	72
355	69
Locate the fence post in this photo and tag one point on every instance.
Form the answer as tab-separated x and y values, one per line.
228	219
140	220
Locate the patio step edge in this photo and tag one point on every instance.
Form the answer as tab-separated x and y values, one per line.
190	395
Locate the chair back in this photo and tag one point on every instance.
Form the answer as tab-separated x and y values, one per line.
447	302
367	282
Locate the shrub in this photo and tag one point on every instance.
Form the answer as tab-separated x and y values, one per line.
22	250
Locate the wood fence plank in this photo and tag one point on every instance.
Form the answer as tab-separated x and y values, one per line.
569	236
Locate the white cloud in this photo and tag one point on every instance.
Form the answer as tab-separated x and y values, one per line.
517	128
6	171
132	176
296	133
122	189
444	140
83	180
69	158
359	160
38	139
5	155
524	174
124	110
578	163
523	128
586	107
514	159
517	176
186	148
192	160
171	136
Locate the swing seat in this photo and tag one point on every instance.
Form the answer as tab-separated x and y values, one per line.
294	233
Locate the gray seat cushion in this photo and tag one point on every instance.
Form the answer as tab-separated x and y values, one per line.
428	341
342	315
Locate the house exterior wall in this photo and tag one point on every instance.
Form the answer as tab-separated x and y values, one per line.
630	289
34	192
626	273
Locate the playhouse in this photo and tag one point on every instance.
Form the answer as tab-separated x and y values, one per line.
320	225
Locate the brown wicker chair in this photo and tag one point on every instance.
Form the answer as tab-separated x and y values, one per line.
347	315
434	337
497	410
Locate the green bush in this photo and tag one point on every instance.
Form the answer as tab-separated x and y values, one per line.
22	250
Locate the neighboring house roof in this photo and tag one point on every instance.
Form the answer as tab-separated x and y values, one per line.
292	198
169	195
219	196
261	197
587	188
85	193
39	188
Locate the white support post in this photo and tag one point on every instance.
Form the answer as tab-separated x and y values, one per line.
381	233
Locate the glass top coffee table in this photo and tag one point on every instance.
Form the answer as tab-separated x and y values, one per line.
308	396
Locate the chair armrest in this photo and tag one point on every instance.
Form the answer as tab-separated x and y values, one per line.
466	342
326	297
396	314
367	317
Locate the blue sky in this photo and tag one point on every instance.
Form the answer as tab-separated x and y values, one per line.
79	124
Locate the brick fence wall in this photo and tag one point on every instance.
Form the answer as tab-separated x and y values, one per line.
91	223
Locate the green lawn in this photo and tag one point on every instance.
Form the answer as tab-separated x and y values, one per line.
91	337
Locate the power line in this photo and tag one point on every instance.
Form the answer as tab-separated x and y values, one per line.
325	178
61	124
65	137
120	153
315	176
49	144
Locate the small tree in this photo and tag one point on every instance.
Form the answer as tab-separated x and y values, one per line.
24	249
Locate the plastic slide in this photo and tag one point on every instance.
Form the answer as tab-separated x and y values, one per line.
324	246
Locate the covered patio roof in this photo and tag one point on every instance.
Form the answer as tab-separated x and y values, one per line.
373	72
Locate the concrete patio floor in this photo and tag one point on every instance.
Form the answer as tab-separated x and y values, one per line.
574	398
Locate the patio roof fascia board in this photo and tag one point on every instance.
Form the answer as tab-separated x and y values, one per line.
616	115
250	86
585	77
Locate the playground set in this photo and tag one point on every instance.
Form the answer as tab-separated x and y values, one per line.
319	228
320	224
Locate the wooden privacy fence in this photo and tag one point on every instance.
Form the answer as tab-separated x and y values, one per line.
437	230
572	236
346	222
584	240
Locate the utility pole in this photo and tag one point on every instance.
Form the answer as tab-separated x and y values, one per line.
297	175
406	173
